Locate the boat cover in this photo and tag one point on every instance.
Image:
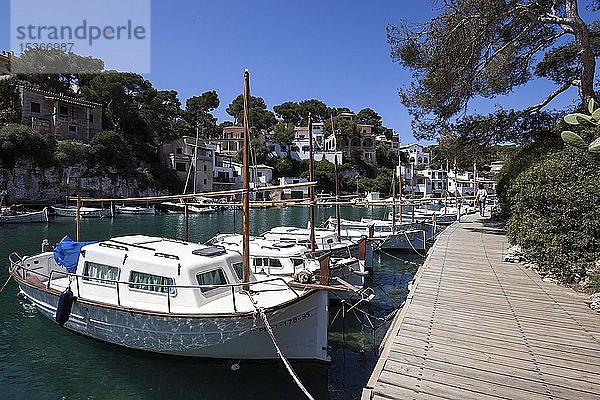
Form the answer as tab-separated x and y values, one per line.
66	253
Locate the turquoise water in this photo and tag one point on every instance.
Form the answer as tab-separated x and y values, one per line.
38	360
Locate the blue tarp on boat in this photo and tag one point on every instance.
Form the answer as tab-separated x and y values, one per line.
66	253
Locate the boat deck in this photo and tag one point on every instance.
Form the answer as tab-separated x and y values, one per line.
474	327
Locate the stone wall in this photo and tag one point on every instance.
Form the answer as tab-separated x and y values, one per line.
28	183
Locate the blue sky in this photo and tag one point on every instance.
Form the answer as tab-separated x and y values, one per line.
332	50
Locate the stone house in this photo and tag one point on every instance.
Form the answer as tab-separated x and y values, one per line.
59	116
179	154
361	143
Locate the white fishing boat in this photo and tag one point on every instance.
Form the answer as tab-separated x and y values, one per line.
174	297
408	236
135	210
9	216
441	217
325	240
84	212
192	208
289	259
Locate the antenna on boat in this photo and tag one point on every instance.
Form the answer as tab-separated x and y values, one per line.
311	190
246	182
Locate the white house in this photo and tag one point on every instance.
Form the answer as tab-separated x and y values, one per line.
300	147
296	193
416	155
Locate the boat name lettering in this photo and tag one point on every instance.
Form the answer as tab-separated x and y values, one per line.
287	322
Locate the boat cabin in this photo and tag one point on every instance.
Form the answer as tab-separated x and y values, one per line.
271	257
150	273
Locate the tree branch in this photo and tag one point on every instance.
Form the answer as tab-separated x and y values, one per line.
551	97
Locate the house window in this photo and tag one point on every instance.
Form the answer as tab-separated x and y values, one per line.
215	277
205	181
305	148
205	168
91	118
259	173
35	107
179	150
63	110
181	167
72	128
150	283
100	273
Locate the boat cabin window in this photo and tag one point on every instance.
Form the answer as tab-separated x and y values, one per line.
239	270
267	262
297	262
150	283
215	277
100	273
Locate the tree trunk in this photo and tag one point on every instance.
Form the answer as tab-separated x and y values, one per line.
586	54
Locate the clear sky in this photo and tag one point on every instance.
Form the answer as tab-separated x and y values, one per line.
331	50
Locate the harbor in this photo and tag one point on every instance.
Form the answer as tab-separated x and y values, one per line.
33	343
320	201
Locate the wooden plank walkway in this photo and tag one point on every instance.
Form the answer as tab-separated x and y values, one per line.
474	327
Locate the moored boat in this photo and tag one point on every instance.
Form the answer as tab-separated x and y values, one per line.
84	212
12	216
135	210
273	258
174	297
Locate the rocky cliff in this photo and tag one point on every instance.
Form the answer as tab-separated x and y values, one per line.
29	183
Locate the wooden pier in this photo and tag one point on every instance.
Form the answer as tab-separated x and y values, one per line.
474	327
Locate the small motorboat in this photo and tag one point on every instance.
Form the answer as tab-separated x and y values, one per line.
17	215
135	210
84	212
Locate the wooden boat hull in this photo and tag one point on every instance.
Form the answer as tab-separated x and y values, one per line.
83	213
407	240
135	210
38	216
300	327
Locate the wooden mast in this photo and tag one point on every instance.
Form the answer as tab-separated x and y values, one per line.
394	203
246	181
400	187
311	190
337	198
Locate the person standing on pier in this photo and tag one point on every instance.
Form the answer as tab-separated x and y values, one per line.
481	198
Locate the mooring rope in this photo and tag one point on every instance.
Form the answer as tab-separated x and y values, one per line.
411	245
280	354
6	283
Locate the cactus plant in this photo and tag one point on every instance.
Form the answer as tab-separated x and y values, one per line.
573	139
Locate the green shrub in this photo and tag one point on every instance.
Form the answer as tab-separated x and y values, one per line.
110	149
19	141
555	212
69	152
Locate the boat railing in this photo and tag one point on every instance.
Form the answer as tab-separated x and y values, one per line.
170	290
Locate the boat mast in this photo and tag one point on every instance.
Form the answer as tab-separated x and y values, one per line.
394	203
196	159
311	190
246	181
400	186
337	198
